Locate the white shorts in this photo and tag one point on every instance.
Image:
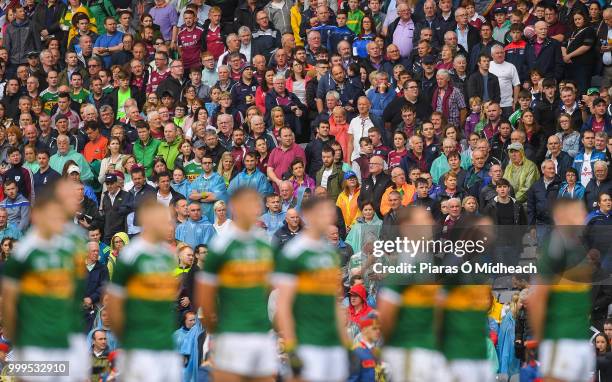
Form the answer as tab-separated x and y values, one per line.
567	359
245	354
150	365
414	365
323	364
471	370
80	358
33	353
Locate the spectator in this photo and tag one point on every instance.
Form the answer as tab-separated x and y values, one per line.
19	39
482	83
6	228
16	206
95	149
251	176
586	158
314	148
97	277
540	198
520	172
20	174
600	183
290	228
330	175
197	229
508	80
569	138
282	156
274	218
375	185
571	188
406	190
347	199
560	158
208	187
66	153
169	148
45	174
99	354
112	208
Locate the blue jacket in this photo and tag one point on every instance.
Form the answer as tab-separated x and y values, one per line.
595	156
366	370
18	211
273	221
380	101
564	161
183	188
195	233
508	363
215	184
592	191
96	280
256	180
11	231
338	34
579	191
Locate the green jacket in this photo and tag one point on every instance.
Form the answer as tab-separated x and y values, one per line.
334	182
169	151
522	177
58	160
146	153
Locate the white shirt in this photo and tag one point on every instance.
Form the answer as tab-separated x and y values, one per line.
358	128
325	177
607	57
508	77
246	50
586	172
165	200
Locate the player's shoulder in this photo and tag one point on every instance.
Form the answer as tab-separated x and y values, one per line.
137	248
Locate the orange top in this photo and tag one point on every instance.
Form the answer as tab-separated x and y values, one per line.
407	191
95	149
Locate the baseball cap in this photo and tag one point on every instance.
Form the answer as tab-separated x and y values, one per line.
515	146
32	53
429	59
499	10
73	168
245	66
349	174
591	91
198	144
110	178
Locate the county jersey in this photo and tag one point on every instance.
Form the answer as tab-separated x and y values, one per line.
49	100
464	330
239	263
564	266
314	267
43	271
190	43
192	170
144	275
414	327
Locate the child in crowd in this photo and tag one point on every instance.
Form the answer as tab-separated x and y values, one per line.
474	118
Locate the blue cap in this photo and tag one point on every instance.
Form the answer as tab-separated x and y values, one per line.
349	174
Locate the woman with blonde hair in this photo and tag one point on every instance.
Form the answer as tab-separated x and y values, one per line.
226	168
470	205
277	120
347	199
221	223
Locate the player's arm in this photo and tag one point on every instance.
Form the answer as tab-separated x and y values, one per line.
116	300
387	306
10	293
537	309
206	297
285	323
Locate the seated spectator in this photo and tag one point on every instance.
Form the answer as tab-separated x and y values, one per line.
598	184
290	228
330	175
6	228
406	191
251	176
274	218
571	188
66	153
347	199
366	227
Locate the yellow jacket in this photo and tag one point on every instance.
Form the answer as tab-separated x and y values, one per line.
66	21
349	207
296	21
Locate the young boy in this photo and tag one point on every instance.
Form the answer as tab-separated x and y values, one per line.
340	32
354	17
524	100
515	50
501	25
422	196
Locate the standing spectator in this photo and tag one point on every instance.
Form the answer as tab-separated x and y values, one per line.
482	83
145	148
66	153
330	175
540	198
281	157
520	172
45	174
208	187
374	186
169	147
111	208
560	158
578	52
16	206
197	229
571	188
19	39
166	17
448	100
544	53
406	191
315	146
20	174
190	40
97	277
290	228
111	42
266	37
584	161
509	82
95	149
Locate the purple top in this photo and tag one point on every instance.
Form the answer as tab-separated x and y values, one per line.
470	124
166	17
